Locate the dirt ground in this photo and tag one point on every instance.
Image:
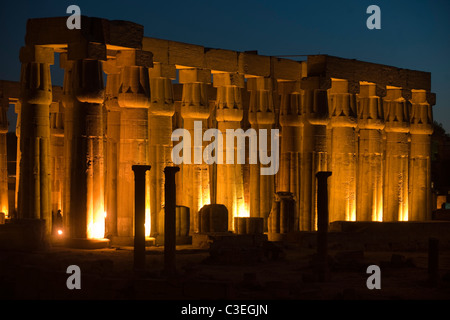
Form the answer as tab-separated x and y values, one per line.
108	274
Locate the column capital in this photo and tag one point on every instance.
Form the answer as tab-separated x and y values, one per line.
369	108
195	100
261	109
291	103
396	111
342	104
421	118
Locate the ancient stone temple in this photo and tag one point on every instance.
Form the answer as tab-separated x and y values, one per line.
368	124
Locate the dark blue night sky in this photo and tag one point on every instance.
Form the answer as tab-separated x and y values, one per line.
413	35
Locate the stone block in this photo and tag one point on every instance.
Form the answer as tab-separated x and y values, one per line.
86	50
284	69
188	55
194	75
221	60
213	218
253	64
138	58
37	54
222	79
159	48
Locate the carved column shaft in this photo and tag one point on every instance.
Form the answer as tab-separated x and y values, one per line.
343	152
314	156
261	116
160	115
421	128
229	113
369	206
291	142
195	107
395	197
87	157
36	96
134	100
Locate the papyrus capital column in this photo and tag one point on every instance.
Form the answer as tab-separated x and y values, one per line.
87	208
342	111
369	206
134	101
291	142
195	107
396	117
229	113
35	97
160	113
314	152
261	116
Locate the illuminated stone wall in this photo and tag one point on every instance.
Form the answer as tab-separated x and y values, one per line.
368	124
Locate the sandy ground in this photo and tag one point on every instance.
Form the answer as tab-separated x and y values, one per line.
108	274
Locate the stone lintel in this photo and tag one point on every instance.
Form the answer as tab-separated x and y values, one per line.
163	70
194	75
37	54
116	34
138	58
354	71
222	79
86	50
185	55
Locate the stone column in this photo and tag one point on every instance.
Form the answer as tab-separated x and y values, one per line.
343	152
291	136
3	159
87	207
36	96
421	128
17	108
369	205
139	213
195	107
57	156
160	115
396	116
170	220
134	100
112	144
229	113
261	116
68	100
314	152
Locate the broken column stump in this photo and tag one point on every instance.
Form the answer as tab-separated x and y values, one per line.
248	225
213	218
182	225
282	216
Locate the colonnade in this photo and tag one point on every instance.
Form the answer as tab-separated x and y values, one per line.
371	131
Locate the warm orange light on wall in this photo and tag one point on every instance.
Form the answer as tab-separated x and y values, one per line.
96	225
242	211
148	221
